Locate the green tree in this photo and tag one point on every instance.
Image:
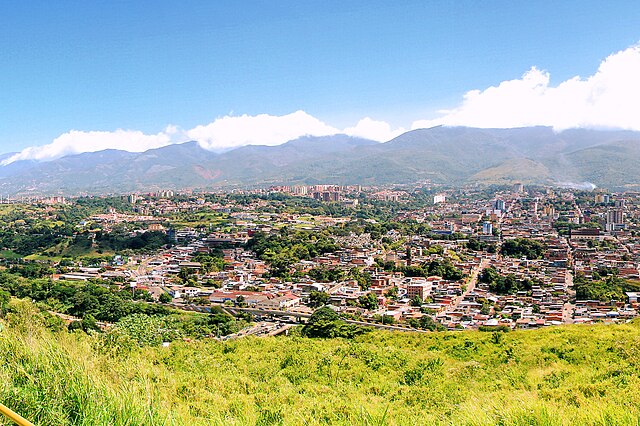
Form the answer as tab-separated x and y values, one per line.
392	293
416	301
240	301
368	301
326	323
89	323
318	299
5	297
165	298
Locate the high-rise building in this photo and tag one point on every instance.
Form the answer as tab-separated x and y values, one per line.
487	228
326	196
615	216
615	219
499	205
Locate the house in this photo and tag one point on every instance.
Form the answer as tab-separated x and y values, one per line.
633	297
287	301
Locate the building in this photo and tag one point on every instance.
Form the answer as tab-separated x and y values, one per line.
585	234
487	228
615	219
165	194
422	289
299	190
440	198
471	217
326	196
499	205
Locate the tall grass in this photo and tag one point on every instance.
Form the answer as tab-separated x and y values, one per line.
557	376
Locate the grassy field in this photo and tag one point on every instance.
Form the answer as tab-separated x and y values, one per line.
8	254
572	375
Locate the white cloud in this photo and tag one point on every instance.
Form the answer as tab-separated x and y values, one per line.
608	99
263	129
75	142
222	133
372	129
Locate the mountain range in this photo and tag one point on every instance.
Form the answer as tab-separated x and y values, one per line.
448	155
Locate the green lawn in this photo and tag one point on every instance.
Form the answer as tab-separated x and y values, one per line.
9	254
570	375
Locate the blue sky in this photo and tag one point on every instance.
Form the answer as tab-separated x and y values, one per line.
108	65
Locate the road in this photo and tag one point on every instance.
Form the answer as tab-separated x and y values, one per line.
262	328
305	315
471	284
567	309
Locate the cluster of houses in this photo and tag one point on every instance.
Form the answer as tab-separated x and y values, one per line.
455	304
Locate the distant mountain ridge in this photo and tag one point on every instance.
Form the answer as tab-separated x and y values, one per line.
450	155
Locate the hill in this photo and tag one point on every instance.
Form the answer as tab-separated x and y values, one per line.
448	155
555	376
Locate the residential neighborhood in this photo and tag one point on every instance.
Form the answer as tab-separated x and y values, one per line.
458	259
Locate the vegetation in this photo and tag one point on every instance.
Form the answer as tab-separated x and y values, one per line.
610	287
426	323
287	247
318	299
522	247
477	245
565	375
444	269
325	322
149	241
101	301
324	274
368	301
501	284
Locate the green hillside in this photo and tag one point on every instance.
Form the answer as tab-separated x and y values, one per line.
564	375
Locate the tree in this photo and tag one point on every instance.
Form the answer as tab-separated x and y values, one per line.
165	298
363	278
326	323
5	296
416	301
392	293
612	287
518	247
368	301
427	323
89	323
318	299
436	249
388	319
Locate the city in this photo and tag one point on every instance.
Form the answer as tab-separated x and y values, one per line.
320	213
442	259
